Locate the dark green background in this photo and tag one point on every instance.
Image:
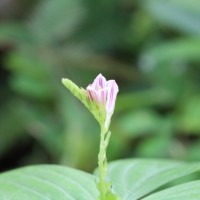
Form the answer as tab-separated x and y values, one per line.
150	47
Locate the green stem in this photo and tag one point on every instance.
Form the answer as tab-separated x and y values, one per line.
102	162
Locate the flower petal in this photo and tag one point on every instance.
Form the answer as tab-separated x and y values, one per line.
99	82
111	99
94	94
97	95
111	96
103	93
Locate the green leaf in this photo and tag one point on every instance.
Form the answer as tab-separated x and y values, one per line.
131	180
45	182
131	124
31	87
187	191
30	75
12	125
185	49
167	64
143	98
183	15
14	32
189	115
134	179
54	20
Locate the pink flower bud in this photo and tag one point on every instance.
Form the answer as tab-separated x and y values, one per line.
104	93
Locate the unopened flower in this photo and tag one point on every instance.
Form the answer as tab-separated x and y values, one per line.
104	93
99	97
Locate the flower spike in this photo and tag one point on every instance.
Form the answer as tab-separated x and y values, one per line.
99	97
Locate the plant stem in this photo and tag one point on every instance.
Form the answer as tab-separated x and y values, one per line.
102	162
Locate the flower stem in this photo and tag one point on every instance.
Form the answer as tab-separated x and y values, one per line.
102	162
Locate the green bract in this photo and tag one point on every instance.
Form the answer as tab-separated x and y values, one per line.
97	111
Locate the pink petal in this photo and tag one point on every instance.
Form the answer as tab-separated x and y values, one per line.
94	94
103	94
99	82
111	96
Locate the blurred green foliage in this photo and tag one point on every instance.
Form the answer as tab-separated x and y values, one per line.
152	49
